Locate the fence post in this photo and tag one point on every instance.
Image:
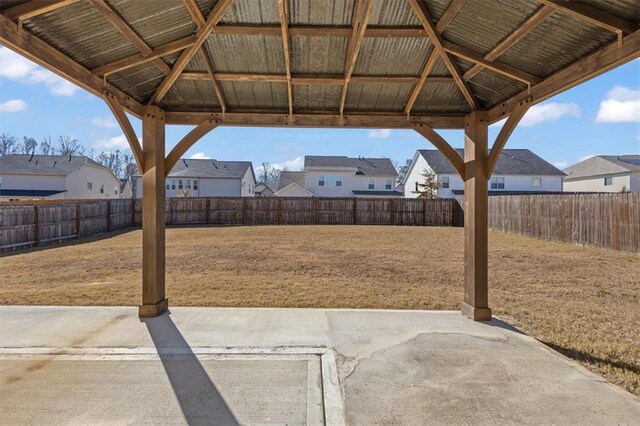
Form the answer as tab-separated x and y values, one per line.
78	220
207	207
108	215
37	226
393	211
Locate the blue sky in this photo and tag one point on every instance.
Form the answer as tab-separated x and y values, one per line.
601	116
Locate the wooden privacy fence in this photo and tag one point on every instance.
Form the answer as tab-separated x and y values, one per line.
602	220
45	223
307	211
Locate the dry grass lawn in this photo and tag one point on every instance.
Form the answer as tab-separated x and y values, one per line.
584	302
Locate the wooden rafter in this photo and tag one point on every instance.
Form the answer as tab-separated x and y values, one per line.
284	25
523	29
423	78
361	17
57	62
33	8
318	30
588	13
582	70
215	15
424	17
505	133
195	12
127	129
443	146
111	15
139	58
299	79
454	8
504	69
187	142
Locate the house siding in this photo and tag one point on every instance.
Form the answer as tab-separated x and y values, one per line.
350	182
596	183
207	187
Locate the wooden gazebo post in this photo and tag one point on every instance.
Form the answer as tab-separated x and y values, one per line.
154	301
475	304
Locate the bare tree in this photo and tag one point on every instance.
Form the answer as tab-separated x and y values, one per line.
268	173
46	147
7	144
28	145
69	146
402	170
429	186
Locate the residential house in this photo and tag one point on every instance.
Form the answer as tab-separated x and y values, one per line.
125	188
337	176
293	184
604	173
55	177
517	170
207	178
264	189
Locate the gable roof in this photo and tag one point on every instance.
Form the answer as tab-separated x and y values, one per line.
287	178
197	168
604	164
50	165
264	186
364	166
292	185
511	162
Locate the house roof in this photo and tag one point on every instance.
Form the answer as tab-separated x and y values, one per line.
292	185
510	162
29	192
196	168
604	164
287	178
51	165
265	186
364	166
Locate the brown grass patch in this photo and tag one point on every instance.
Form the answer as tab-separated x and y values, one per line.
581	301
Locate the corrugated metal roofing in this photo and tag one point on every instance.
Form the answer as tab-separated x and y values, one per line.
627	9
250	54
252	12
321	12
377	97
318	55
316	97
140	81
491	87
389	13
443	97
191	94
255	95
397	56
8	4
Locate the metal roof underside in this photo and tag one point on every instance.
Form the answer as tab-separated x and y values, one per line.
81	32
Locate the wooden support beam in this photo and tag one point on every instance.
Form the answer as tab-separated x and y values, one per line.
442	146
33	8
283	119
476	199
423	79
588	13
187	142
506	131
504	69
127	129
139	59
318	30
454	8
361	17
36	50
195	12
215	15
154	301
111	15
523	29
284	25
582	70
423	15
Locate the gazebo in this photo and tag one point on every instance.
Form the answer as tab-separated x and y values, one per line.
412	64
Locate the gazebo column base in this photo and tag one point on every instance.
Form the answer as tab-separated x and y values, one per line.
476	314
153	310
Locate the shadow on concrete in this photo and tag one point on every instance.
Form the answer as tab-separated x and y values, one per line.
495	322
579	355
199	399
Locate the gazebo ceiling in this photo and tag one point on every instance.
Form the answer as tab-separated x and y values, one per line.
432	60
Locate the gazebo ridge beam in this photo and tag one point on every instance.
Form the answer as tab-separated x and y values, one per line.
34	8
284	25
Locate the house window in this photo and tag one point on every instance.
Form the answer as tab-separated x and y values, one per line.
188	183
338	180
536	182
321	180
167	184
115	190
372	184
608	181
173	184
330	180
444	182
102	189
180	184
195	184
387	184
497	183
417	187
89	186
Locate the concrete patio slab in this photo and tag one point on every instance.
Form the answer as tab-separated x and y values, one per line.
79	365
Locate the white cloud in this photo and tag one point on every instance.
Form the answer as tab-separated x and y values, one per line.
18	68
561	164
13	105
107	122
379	134
545	112
291	165
622	105
117	142
200	156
